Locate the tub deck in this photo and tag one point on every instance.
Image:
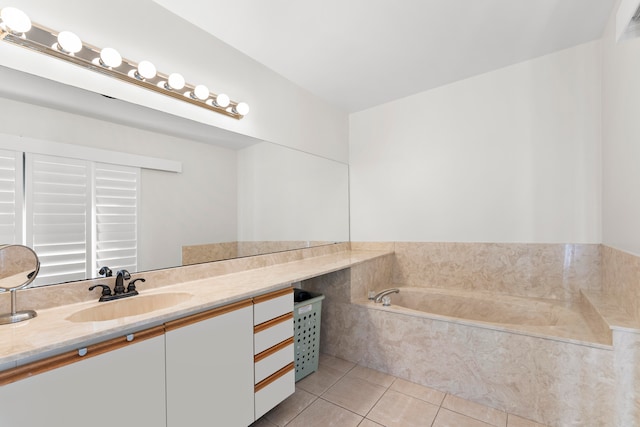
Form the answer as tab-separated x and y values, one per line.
576	322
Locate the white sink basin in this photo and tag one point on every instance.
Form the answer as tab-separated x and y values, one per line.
131	306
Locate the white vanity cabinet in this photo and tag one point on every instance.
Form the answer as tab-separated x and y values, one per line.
223	367
119	382
274	368
209	370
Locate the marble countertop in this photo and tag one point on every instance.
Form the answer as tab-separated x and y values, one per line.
52	333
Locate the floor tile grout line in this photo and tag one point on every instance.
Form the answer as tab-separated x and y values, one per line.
380	398
440	406
471	416
416	397
303	409
436	417
346	409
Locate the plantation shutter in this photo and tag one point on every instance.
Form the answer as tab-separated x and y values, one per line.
11	197
117	193
58	211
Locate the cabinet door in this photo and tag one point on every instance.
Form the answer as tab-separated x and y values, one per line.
121	387
210	368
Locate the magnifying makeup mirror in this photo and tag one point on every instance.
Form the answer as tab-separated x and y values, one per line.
19	266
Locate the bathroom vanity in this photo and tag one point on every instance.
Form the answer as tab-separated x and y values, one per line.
195	369
225	353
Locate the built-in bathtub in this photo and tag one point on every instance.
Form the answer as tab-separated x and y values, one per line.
548	318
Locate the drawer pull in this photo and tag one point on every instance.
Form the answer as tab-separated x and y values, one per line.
82	351
273	322
130	337
272	295
276	348
282	372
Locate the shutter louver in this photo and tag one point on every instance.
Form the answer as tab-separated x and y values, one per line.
10	197
116	203
58	216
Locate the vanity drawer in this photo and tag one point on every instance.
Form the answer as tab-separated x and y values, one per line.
272	305
268	334
273	390
271	361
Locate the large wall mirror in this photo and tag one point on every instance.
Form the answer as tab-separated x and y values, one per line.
235	195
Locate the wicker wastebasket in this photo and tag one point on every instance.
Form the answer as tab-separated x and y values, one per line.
307	309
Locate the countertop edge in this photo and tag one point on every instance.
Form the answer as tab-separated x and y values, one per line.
19	348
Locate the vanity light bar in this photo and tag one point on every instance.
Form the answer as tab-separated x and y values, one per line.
17	28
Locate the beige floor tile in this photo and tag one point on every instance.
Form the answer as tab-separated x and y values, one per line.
447	418
369	423
483	413
399	410
372	376
416	390
324	414
290	407
354	394
318	382
516	421
336	363
263	422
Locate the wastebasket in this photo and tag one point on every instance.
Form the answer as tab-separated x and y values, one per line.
307	309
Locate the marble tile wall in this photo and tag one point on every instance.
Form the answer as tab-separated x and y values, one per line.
532	270
621	278
68	293
194	254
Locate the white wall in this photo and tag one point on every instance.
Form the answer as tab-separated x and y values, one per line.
621	141
508	156
281	112
198	205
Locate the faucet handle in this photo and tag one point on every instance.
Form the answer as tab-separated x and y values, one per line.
132	284
105	271
106	291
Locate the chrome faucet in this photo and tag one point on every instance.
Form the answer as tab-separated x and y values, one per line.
380	295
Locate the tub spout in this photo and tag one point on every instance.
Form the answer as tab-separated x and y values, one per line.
378	297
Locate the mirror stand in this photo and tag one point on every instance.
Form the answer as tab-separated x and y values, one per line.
16	316
19	266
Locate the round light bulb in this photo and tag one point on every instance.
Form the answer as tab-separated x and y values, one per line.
146	70
242	108
110	57
15	20
222	100
69	42
175	81
201	92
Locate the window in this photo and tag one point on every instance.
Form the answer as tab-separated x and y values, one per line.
79	215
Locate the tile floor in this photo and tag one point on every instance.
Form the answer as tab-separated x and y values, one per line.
343	394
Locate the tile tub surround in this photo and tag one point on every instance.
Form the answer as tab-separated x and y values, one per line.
557	271
552	382
546	318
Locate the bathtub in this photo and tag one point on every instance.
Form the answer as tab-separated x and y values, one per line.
539	317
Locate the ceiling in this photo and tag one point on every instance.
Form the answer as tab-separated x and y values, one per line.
360	53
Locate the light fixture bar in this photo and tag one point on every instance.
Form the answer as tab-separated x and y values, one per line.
143	74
